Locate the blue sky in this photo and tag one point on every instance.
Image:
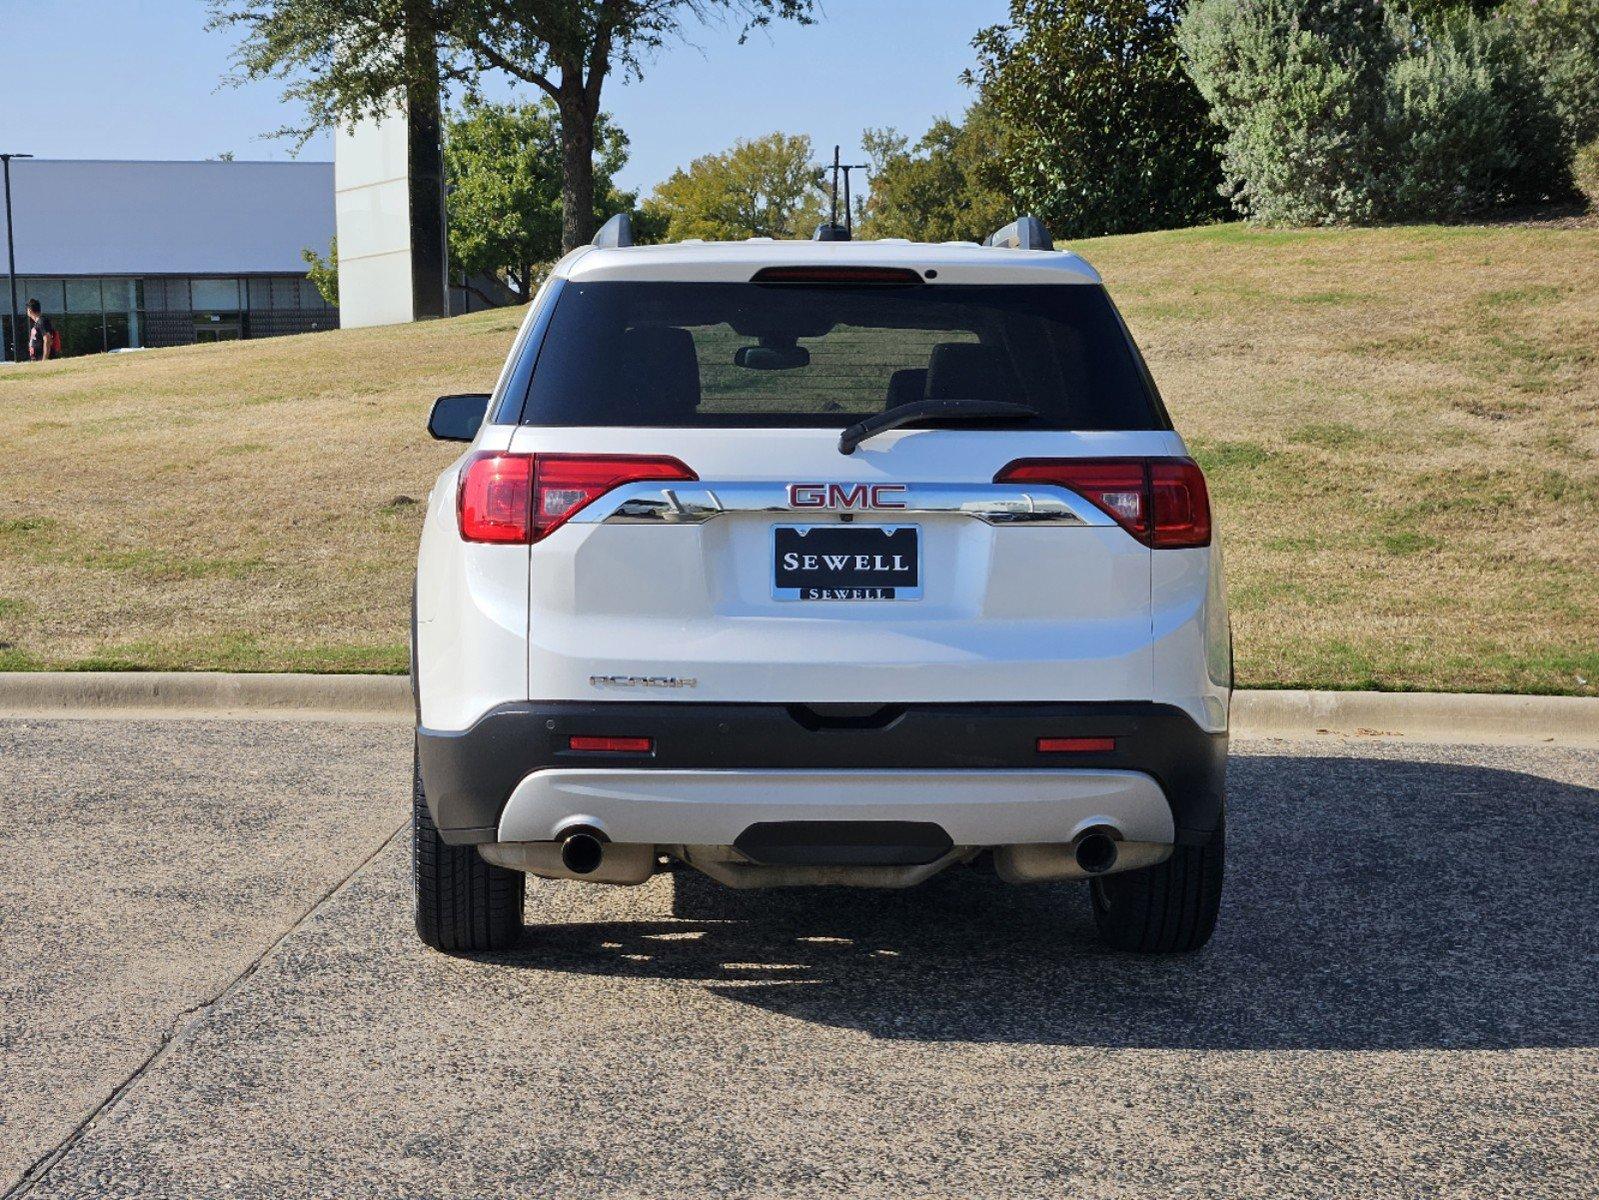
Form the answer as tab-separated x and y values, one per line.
140	79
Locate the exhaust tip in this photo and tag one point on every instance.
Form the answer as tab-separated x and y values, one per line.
581	852
1095	853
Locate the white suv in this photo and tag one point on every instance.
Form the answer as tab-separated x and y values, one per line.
820	562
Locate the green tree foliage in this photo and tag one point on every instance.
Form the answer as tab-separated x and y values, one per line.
1105	132
1339	111
345	59
950	187
503	166
762	187
324	272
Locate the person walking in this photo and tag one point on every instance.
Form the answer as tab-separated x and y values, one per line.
43	340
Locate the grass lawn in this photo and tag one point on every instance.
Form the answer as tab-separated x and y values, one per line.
1401	429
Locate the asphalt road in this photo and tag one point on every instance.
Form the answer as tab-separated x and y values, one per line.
209	986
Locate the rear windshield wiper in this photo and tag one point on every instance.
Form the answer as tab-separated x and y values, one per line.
928	410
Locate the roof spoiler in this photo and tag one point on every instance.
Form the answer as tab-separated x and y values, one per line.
615	233
1024	233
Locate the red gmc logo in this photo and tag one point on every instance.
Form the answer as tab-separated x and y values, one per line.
846	495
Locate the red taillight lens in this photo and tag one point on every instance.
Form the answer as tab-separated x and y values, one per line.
494	502
1132	491
524	497
612	745
1181	503
565	483
1075	745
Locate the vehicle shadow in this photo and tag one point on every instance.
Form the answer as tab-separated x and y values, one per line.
1370	904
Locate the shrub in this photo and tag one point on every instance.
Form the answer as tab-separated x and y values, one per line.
1335	111
1469	125
1295	88
1561	38
1585	170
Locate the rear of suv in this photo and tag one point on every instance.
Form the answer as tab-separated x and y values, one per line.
826	562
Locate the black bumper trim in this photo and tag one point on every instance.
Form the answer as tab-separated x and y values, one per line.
469	775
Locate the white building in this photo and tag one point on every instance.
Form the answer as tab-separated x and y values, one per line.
167	253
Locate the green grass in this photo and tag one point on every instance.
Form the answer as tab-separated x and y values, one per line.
1400	428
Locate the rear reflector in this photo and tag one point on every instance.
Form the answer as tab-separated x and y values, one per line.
1163	502
612	745
1075	745
524	497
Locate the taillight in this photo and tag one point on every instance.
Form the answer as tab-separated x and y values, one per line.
1162	502
1181	503
565	483
494	501
524	497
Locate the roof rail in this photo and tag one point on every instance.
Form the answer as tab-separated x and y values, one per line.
616	232
1024	233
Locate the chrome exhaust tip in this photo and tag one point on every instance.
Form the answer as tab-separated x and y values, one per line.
581	851
1095	853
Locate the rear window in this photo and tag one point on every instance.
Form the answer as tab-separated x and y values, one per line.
825	355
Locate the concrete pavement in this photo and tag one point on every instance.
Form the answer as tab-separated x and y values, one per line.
1403	998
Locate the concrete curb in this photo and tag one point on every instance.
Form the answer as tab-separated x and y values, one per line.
204	694
1417	716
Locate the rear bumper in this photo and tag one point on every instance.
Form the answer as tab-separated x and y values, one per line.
819	759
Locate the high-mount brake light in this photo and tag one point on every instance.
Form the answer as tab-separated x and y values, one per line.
891	275
1163	502
525	497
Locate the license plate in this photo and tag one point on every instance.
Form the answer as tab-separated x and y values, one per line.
846	562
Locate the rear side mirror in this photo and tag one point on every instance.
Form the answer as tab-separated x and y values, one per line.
456	418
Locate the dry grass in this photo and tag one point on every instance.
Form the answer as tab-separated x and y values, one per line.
1401	428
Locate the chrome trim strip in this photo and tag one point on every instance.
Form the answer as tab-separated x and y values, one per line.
695	503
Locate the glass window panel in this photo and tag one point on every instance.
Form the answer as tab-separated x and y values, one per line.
310	297
81	333
117	295
284	292
116	331
260	293
216	295
83	295
50	293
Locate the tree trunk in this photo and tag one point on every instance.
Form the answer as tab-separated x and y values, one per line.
577	173
430	293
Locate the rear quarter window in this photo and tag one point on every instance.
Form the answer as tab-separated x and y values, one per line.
824	355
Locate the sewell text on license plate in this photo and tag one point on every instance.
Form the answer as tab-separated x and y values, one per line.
846	562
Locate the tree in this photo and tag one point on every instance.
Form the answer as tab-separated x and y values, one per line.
951	187
1105	133
324	272
566	48
503	164
763	187
345	59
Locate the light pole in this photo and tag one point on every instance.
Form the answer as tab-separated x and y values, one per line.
11	259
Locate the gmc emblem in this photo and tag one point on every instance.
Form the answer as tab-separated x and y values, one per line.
846	495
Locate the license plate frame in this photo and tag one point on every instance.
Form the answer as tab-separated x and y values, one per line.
848	584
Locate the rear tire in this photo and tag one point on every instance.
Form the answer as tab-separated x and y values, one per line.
1170	908
462	902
